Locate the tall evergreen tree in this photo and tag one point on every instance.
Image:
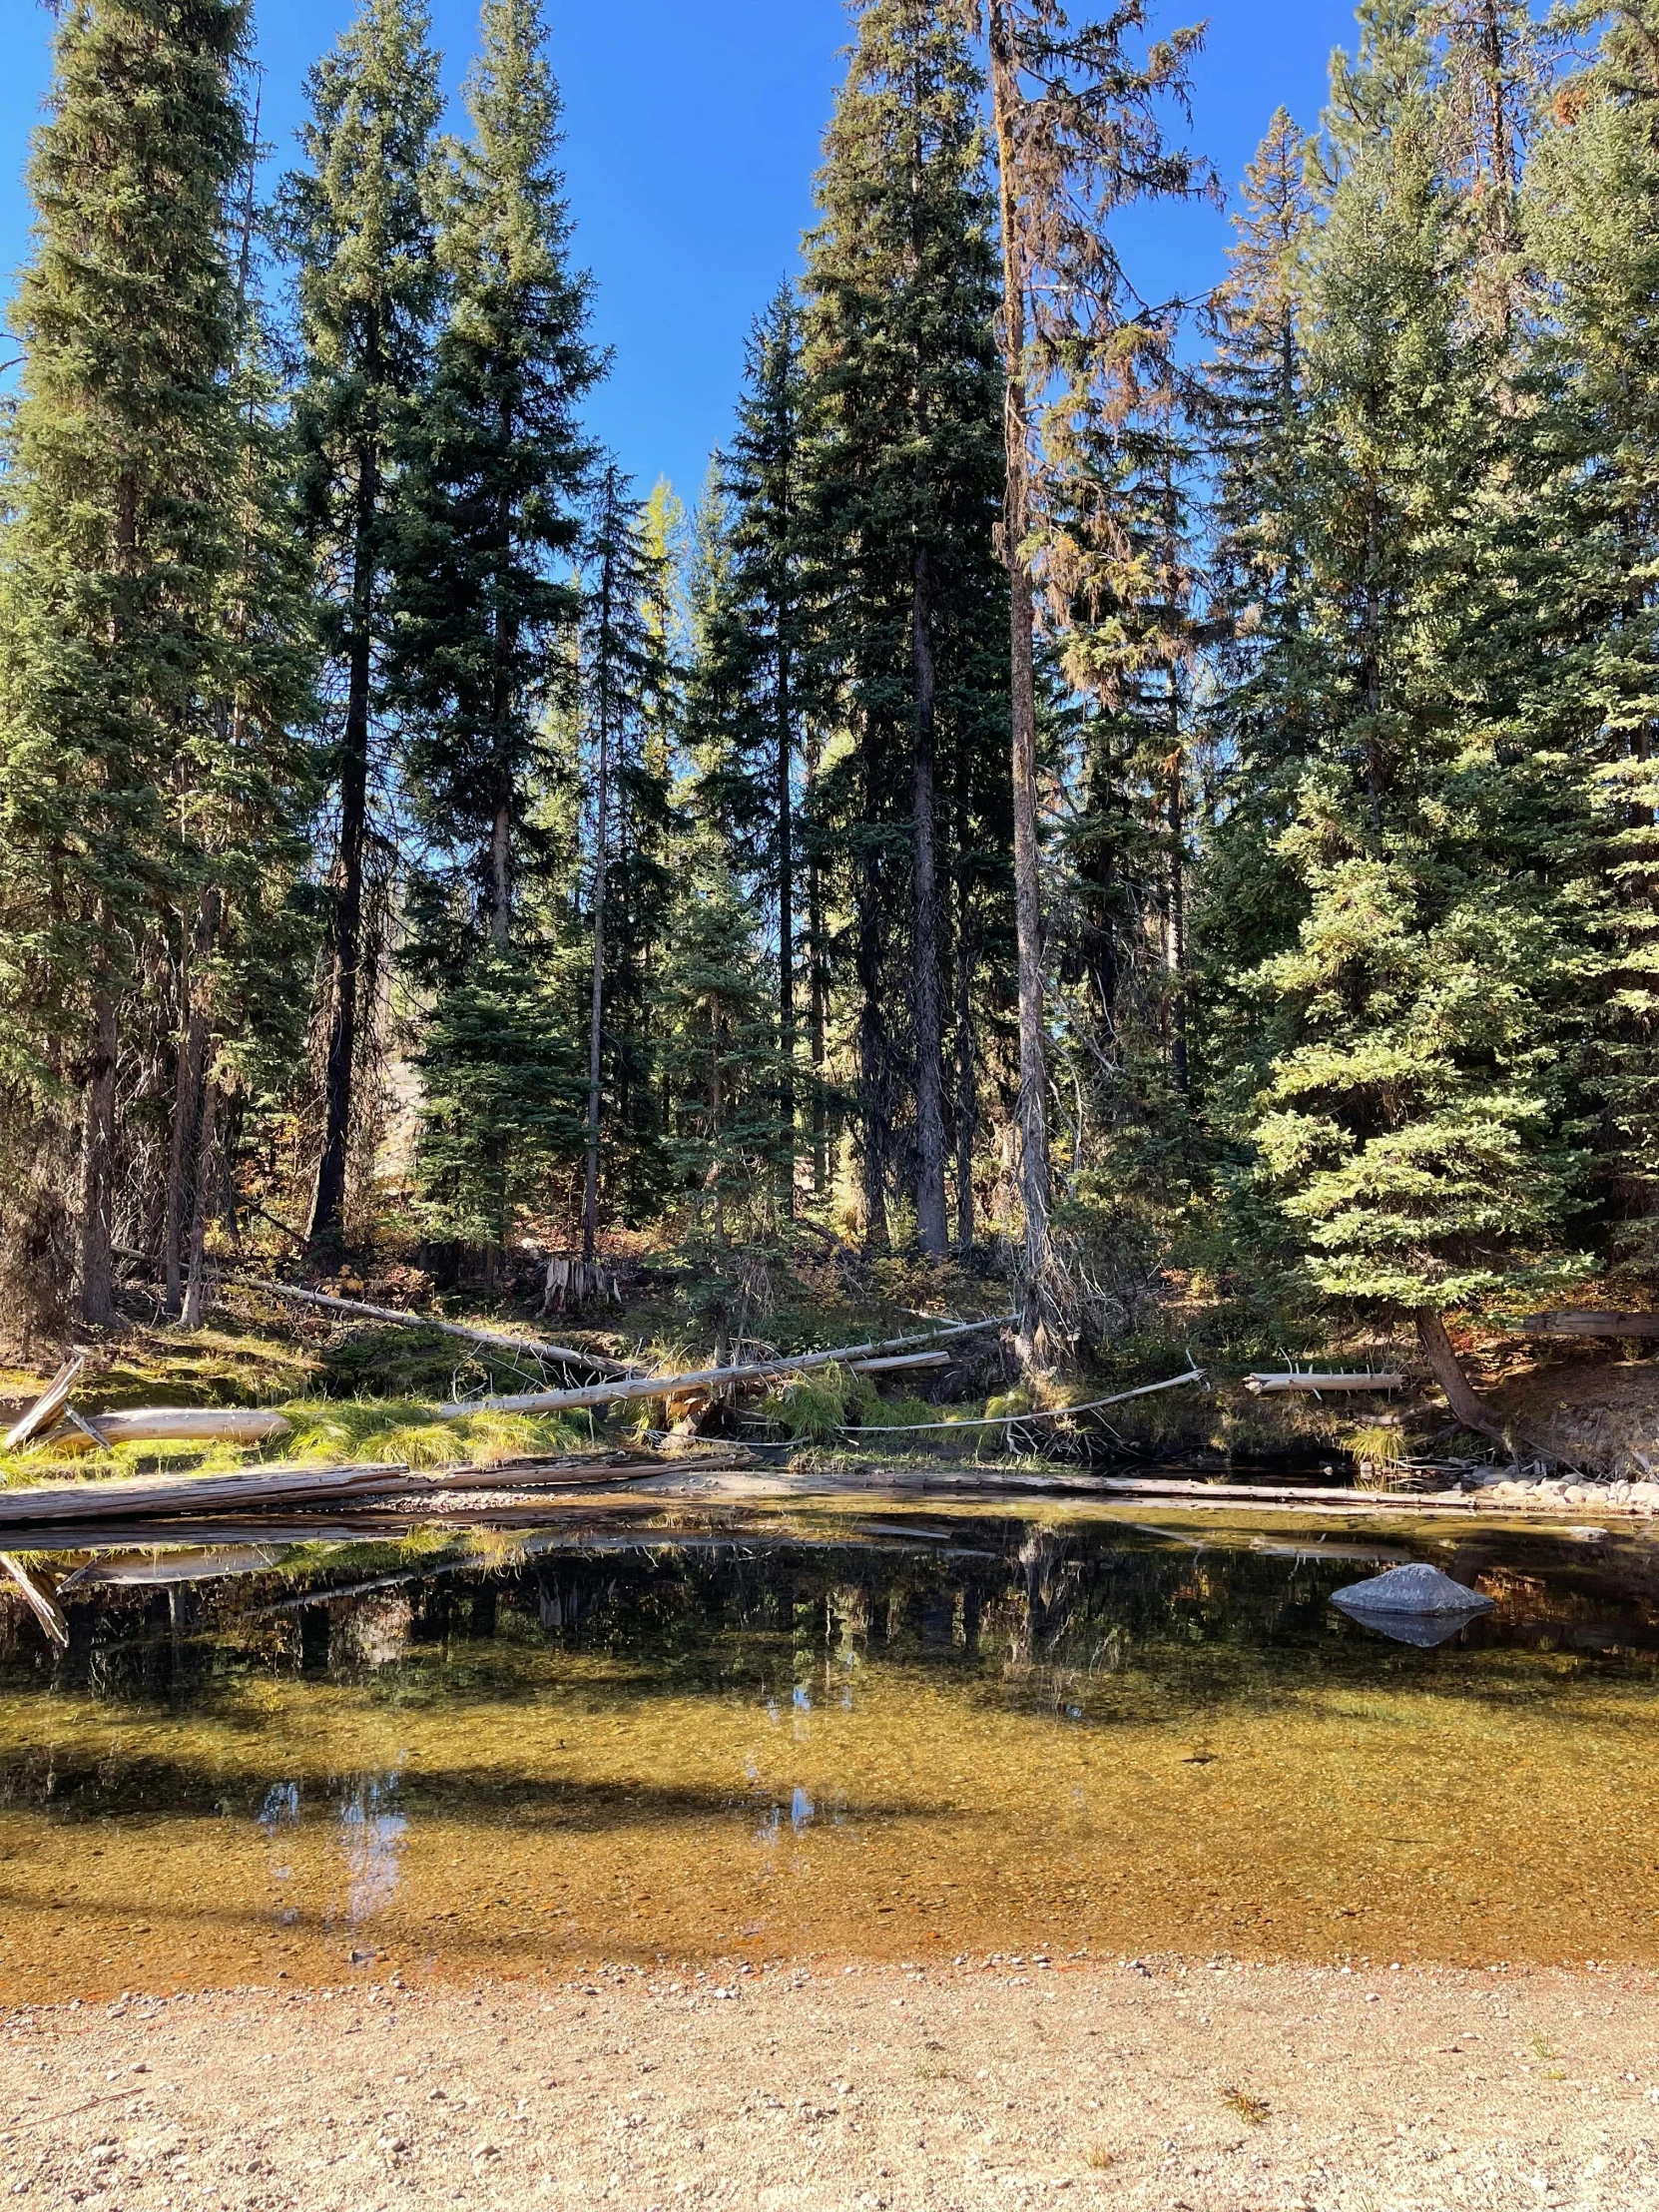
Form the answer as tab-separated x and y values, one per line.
1079	134
489	513
625	684
752	696
121	472
906	483
1417	1113
356	221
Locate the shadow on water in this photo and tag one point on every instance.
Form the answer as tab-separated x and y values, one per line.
948	1727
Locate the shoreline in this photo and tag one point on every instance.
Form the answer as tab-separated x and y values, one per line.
1140	2085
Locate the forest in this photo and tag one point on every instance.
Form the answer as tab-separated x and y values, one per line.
1134	804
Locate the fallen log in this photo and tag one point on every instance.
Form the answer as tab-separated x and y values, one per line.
203	1494
903	1363
48	1406
1018	1421
1261	1385
706	1380
234	1424
1589	1325
497	1340
193	1497
39	1601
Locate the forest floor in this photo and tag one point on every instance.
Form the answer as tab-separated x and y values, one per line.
360	1392
1145	2087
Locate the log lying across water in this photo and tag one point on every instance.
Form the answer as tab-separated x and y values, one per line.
705	1379
192	1497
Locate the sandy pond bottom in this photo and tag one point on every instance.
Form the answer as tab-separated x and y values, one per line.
832	1862
919	1738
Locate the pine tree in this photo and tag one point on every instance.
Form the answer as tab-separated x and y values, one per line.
356	223
121	470
625	684
1079	135
719	1049
905	485
496	462
751	699
1587	541
1417	1116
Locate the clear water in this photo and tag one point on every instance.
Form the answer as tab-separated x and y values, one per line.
882	1734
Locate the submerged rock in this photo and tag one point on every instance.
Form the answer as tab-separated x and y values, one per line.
1420	1591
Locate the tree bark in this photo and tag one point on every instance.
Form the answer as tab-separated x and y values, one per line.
784	778
817	1009
187	1093
98	1162
967	1080
601	863
873	1060
931	1232
1466	1403
1035	1189
196	1275
326	1231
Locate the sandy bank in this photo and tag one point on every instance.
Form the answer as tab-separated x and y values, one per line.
1143	2089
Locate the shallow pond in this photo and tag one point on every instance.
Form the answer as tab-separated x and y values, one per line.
888	1733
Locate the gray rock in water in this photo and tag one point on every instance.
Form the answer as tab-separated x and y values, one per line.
1420	1591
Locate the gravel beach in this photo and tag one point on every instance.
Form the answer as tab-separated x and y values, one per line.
1155	2085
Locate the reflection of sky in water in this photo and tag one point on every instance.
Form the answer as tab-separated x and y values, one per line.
802	1810
372	1838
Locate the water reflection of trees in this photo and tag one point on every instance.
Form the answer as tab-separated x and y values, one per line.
1047	1613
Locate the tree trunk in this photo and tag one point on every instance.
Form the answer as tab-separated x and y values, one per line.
187	1093
1034	1264
931	1232
601	863
501	889
1175	815
196	1278
98	1162
968	1081
786	917
873	1060
817	1010
326	1232
1466	1403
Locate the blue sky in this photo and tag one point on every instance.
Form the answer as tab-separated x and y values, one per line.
692	136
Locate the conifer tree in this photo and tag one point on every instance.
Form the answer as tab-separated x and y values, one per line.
496	462
1587	541
356	223
121	463
719	1047
751	700
1418	1115
906	480
1079	134
624	682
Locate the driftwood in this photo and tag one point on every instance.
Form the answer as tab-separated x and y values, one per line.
904	1362
39	1600
193	1497
497	1340
48	1406
1271	1384
1589	1325
182	1424
705	1379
